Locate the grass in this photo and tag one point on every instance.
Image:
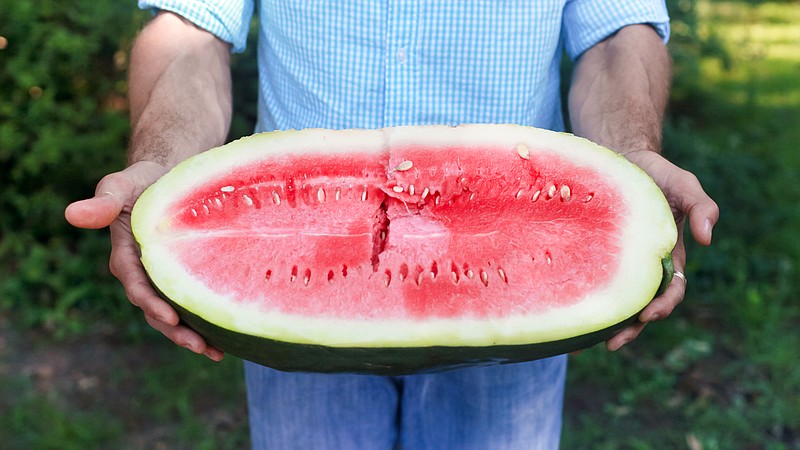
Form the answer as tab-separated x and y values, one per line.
39	421
101	391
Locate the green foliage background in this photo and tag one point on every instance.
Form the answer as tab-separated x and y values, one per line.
720	373
63	125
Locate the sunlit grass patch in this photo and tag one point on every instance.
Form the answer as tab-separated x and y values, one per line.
764	44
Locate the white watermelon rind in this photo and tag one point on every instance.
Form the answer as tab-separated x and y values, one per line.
649	235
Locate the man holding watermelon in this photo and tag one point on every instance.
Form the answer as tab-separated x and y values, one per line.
355	64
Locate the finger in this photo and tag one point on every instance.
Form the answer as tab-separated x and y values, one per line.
625	336
214	353
141	294
663	305
186	338
127	267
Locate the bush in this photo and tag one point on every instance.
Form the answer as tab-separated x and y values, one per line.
63	125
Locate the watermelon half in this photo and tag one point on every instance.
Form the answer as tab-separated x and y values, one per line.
406	249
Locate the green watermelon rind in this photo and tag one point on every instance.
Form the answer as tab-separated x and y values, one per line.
668	267
393	361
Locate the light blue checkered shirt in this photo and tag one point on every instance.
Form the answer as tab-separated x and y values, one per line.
375	63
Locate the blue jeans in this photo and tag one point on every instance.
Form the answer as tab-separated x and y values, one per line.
516	406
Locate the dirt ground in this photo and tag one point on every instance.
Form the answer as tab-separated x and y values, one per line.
102	372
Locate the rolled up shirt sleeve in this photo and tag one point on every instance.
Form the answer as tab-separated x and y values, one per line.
229	20
587	22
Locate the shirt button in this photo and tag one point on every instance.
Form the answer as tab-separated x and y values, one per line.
401	55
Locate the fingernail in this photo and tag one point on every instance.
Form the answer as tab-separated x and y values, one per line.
618	346
707	227
212	354
164	318
654	317
157	318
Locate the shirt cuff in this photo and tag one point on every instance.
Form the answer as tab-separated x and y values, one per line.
587	22
229	21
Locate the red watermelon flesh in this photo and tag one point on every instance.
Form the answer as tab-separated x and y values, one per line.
338	236
402	237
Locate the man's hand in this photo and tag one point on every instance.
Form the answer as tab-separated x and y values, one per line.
180	99
689	201
619	91
111	207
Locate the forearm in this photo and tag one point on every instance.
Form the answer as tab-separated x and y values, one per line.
620	89
179	90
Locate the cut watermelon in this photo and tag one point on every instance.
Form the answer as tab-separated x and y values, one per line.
405	249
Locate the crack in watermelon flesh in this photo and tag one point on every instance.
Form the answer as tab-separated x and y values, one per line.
411	233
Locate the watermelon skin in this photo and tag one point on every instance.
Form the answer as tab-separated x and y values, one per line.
392	361
243	321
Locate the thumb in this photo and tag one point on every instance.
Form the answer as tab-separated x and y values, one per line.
96	212
702	218
701	210
114	193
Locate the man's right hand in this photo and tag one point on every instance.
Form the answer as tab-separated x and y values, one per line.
111	207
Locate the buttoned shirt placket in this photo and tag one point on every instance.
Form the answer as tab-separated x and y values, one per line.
401	69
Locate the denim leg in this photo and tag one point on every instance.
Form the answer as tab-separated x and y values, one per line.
315	411
516	406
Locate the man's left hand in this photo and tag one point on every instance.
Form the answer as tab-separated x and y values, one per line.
689	202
